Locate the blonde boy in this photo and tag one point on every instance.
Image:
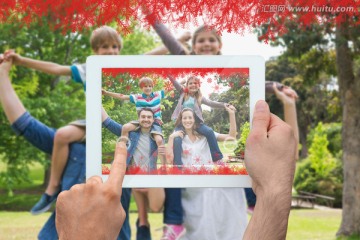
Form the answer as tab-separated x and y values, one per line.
146	99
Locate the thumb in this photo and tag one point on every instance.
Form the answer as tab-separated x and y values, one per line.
261	118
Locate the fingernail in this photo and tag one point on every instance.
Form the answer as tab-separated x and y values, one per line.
260	105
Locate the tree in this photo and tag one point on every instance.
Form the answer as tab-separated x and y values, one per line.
343	34
311	75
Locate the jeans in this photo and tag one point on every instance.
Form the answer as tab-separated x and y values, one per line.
250	197
173	213
210	137
42	137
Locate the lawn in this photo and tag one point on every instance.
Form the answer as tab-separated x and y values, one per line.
303	224
17	223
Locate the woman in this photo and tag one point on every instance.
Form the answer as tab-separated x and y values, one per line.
209	213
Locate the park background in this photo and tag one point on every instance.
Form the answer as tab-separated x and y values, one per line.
319	59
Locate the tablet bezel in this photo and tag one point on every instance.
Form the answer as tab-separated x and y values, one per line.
94	66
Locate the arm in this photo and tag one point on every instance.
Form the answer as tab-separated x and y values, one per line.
170	146
115	95
43	66
269	135
212	104
162	50
110	124
176	84
9	100
231	136
288	97
167	38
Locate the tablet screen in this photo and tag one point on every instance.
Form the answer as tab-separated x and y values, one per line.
197	108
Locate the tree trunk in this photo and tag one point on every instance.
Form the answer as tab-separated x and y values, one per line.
303	135
349	86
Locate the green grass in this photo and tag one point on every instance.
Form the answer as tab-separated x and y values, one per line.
303	224
314	224
21	225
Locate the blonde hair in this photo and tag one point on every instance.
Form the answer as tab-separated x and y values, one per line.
204	28
198	95
104	34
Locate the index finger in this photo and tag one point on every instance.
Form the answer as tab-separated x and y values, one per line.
118	167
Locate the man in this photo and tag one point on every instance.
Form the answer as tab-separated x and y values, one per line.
142	154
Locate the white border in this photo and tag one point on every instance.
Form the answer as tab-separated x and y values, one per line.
94	66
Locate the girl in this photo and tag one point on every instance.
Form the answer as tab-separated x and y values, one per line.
191	97
201	219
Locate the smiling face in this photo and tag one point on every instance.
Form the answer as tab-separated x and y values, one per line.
146	84
188	119
193	85
146	119
206	42
147	88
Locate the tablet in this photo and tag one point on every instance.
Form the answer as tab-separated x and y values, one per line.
220	80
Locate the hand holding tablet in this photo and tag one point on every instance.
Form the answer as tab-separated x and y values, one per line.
93	209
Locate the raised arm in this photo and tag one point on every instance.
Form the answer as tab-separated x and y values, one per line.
115	95
231	136
176	84
43	66
162	50
288	97
170	42
212	104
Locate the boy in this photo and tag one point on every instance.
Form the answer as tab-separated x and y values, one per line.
104	41
146	99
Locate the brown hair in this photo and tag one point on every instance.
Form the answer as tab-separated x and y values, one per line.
204	28
145	80
178	122
146	110
104	34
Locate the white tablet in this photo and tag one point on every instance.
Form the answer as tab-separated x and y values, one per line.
237	80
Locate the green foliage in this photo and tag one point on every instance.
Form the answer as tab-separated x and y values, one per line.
333	134
244	131
321	172
138	42
237	95
53	100
124	111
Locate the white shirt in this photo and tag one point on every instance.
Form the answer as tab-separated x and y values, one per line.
211	213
